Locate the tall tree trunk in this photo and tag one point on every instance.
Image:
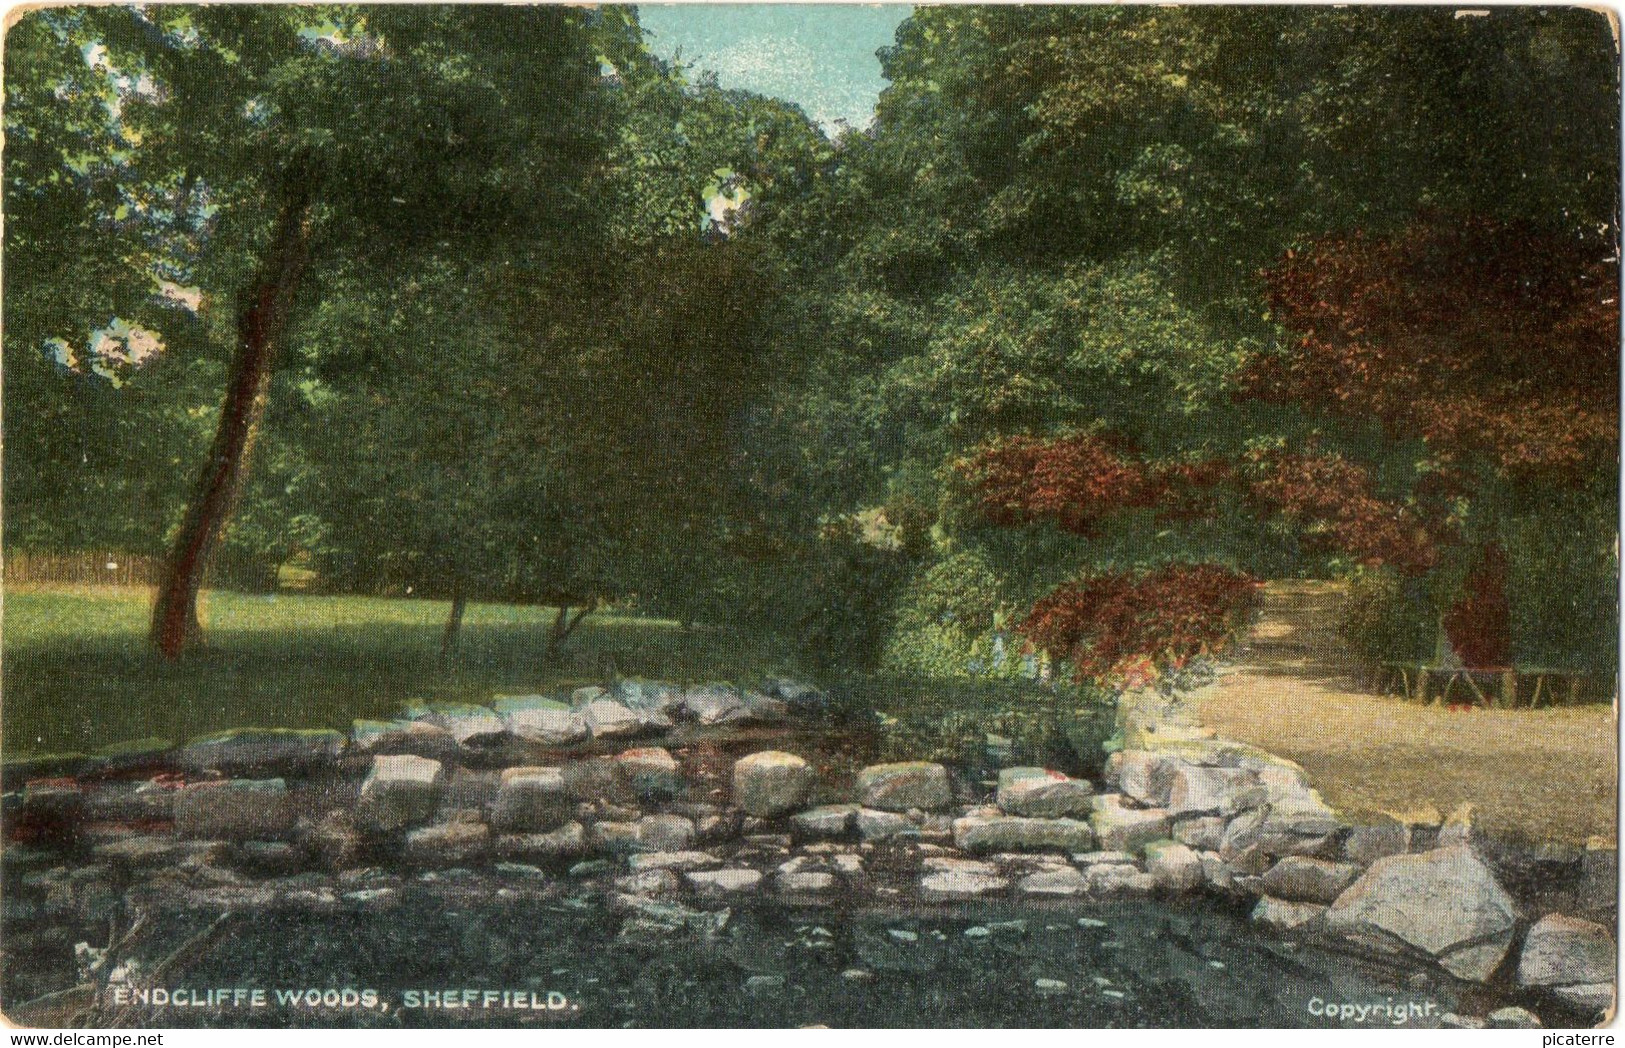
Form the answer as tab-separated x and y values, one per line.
261	320
454	621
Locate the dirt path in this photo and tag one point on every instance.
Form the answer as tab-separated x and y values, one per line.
1547	774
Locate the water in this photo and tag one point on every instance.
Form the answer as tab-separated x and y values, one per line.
1126	965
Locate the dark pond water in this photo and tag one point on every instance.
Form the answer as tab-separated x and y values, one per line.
1103	965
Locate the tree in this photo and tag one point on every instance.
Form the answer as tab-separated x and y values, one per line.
257	147
1493	343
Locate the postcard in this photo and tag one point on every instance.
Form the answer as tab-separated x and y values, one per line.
797	515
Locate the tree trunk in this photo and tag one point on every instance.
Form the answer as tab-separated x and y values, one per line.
261	320
454	621
564	624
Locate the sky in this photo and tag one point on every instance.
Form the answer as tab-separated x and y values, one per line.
819	56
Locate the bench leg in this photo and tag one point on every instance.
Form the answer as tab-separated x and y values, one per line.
1509	689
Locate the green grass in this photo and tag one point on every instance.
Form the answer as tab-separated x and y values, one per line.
77	674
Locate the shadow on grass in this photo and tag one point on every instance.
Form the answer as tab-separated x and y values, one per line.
78	675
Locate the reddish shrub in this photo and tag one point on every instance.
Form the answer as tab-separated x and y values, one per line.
1479	623
1169	615
1331	502
1074	481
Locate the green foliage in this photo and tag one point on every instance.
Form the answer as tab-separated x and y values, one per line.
1388	617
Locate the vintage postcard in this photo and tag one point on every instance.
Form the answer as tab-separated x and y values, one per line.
737	516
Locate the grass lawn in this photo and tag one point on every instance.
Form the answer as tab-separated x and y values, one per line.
77	674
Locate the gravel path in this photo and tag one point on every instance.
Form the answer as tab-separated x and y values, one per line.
1547	774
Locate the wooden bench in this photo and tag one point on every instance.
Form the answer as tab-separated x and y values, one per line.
1415	682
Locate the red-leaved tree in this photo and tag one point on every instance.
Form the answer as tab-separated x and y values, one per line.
1495	344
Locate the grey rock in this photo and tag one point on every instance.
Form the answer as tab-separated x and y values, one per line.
532	800
460	842
1118	879
665	833
1176	867
826	822
1202	832
261	750
402	736
1121	828
1283	915
1064	881
471	726
400	790
1147	776
1444	902
651	772
674	860
566	842
984	834
538	719
772	783
1512	1018
580	698
1213	791
1594	998
946	878
723	882
1303	879
234	809
715	704
608	720
806	882
876	825
1092	858
1042	793
1368	842
1562	950
901	786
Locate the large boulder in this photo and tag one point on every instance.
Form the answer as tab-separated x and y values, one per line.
532	800
1443	903
1011	833
906	785
772	783
400	790
1126	829
234	809
1042	793
1300	879
1572	959
243	751
539	719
